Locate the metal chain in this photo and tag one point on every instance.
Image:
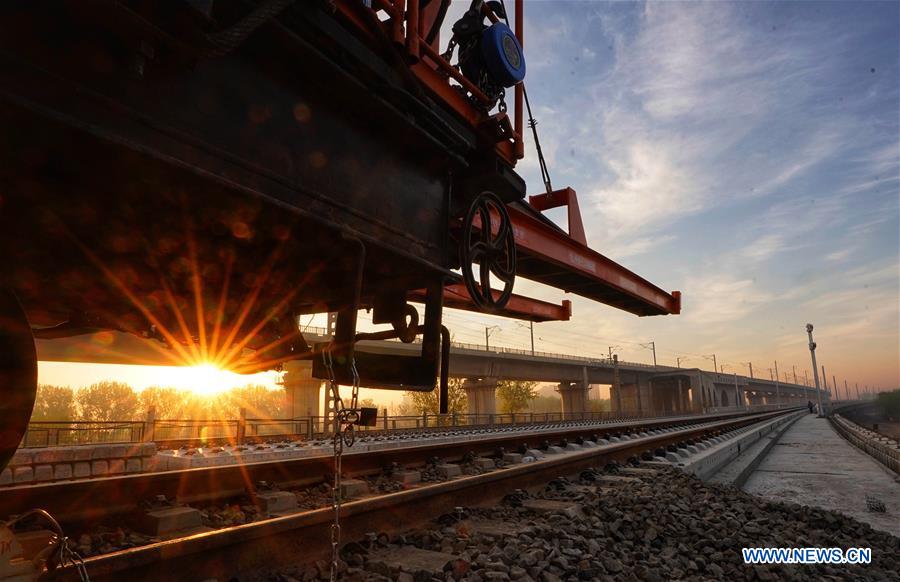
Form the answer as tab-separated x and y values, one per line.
336	506
338	451
344	435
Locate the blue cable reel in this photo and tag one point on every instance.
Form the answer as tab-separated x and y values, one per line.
503	56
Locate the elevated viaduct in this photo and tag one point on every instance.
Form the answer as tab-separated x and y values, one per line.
634	387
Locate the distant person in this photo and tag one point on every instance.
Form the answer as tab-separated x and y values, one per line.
809	405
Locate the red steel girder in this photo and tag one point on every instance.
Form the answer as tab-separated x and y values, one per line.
518	307
548	255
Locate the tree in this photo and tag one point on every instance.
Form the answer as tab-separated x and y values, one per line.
599	405
259	402
415	403
543	404
889	402
516	395
106	401
170	403
367	403
54	403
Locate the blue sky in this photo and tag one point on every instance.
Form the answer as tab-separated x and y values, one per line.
745	153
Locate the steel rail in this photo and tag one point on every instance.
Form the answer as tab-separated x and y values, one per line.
302	537
93	501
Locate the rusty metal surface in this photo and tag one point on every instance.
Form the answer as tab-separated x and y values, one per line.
549	256
302	537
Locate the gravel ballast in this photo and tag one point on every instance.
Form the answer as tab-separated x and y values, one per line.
654	525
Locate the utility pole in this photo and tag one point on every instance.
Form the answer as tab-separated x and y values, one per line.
777	386
532	336
794	368
615	359
751	369
827	391
846	389
611	348
857	391
677	362
806	377
651	346
487	335
713	358
812	354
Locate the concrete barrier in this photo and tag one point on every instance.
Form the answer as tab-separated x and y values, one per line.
78	462
706	463
881	448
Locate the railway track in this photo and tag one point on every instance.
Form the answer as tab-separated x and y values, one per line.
303	536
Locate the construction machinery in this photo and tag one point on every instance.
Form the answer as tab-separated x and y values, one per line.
198	174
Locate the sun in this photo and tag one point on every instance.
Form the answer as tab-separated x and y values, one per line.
206	379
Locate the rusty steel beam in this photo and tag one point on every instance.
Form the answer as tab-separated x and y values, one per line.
519	306
548	255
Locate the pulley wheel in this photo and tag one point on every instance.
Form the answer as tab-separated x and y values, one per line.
18	374
488	241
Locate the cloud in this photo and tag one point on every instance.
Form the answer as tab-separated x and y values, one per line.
764	247
720	298
838	255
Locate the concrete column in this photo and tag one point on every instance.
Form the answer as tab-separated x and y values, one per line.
574	398
481	395
302	391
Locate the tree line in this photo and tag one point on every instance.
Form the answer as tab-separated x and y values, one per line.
118	401
115	401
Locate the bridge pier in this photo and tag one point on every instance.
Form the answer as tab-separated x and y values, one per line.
481	395
633	396
302	392
574	397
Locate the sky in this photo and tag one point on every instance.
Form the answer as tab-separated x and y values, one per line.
744	153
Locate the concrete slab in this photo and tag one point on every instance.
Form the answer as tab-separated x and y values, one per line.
552	506
353	488
484	464
512	458
272	502
495	529
813	465
448	470
412	559
407	477
169	520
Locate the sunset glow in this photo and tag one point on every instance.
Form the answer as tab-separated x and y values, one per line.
206	379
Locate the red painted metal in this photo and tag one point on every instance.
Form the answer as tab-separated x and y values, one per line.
548	255
565	197
518	307
412	30
434	72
